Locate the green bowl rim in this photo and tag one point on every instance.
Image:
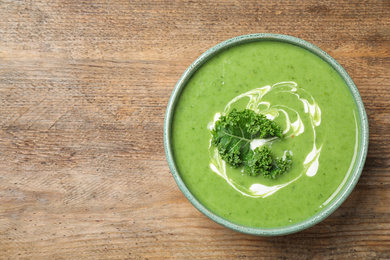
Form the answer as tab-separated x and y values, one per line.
363	134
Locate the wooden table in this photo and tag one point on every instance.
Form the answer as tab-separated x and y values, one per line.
83	91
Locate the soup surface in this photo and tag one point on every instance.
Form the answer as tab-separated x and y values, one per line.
304	95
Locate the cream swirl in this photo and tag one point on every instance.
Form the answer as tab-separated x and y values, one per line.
290	119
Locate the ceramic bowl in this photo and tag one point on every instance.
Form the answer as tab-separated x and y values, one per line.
350	182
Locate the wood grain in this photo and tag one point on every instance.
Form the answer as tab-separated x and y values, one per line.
83	91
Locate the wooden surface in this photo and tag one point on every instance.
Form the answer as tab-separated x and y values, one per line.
83	91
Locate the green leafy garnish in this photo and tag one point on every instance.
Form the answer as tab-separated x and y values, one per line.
232	135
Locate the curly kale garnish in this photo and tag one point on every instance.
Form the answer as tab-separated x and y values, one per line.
232	135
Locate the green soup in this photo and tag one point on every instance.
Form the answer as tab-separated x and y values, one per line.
301	93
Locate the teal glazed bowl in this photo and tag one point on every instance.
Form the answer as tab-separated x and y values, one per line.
349	183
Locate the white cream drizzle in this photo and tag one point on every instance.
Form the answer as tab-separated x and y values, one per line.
296	127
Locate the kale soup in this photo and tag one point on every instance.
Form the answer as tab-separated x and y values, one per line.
266	134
